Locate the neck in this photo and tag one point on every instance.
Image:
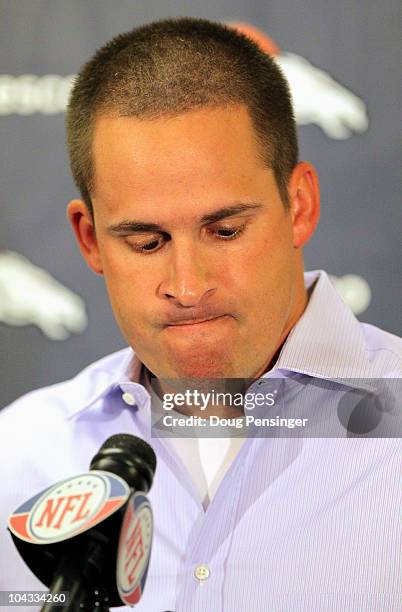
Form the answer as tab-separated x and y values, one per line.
296	314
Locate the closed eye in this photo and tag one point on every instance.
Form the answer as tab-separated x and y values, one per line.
228	233
149	246
157	242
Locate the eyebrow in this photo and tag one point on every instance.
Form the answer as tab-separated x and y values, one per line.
132	226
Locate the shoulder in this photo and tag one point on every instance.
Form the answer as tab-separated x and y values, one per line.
39	438
384	350
52	403
379	339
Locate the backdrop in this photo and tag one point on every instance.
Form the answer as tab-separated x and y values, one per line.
342	60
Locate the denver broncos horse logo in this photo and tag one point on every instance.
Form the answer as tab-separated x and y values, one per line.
317	97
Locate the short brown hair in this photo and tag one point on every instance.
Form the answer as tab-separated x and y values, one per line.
172	66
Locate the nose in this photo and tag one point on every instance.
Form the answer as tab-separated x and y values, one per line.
187	277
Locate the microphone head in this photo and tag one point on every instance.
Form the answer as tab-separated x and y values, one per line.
129	457
133	445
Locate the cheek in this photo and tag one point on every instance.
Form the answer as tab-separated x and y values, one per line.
265	275
128	303
123	273
268	256
128	286
116	260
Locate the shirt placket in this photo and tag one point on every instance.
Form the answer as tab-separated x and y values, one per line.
202	580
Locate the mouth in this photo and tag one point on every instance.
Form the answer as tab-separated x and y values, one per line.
195	323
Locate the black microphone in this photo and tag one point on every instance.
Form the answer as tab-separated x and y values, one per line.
68	535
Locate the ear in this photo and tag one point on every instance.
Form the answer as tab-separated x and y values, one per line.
84	229
304	194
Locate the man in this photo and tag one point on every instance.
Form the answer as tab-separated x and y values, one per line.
195	209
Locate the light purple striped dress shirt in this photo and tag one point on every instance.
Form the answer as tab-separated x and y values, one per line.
297	524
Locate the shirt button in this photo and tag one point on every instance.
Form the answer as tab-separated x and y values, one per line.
128	399
202	572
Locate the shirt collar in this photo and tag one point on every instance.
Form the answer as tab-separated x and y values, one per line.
121	370
326	342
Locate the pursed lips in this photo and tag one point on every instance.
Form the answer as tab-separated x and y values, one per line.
189	322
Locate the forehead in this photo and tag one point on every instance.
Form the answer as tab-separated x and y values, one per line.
173	169
211	140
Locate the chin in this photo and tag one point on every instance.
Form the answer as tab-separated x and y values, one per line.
201	366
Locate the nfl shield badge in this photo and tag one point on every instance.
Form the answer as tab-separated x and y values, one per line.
134	549
69	507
